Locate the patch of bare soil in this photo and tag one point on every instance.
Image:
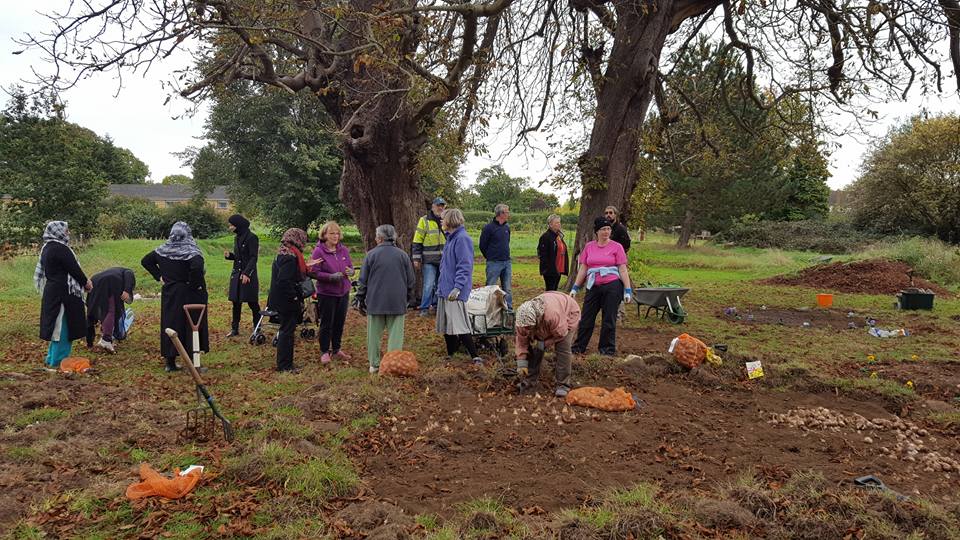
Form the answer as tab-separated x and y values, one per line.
875	276
103	422
817	318
467	438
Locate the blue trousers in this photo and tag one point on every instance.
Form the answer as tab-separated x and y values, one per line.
58	350
430	274
503	271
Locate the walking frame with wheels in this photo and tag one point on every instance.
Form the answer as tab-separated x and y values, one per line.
495	338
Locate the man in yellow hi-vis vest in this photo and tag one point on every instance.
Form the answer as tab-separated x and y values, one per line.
428	241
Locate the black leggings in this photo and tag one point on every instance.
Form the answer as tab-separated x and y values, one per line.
551	283
453	344
333	315
238	307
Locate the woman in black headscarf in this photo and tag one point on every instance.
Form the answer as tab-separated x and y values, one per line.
59	277
244	286
105	305
178	265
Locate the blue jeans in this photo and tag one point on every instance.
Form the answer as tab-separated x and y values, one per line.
502	270
430	274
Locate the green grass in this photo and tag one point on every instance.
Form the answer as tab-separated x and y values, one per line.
279	445
37	416
22	454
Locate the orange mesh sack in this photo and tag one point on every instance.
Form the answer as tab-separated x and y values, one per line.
689	351
601	398
399	363
74	364
153	484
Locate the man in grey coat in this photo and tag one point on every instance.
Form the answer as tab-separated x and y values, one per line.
385	289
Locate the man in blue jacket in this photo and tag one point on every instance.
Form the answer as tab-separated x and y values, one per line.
495	248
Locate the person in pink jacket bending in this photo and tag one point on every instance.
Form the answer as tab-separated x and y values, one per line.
548	319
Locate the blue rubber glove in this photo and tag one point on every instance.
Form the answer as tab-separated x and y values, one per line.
574	291
628	295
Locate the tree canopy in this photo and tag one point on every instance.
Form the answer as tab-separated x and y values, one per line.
911	180
706	171
54	169
275	152
495	186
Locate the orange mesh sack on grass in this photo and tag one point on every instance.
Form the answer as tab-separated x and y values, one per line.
154	484
74	364
399	363
689	351
600	398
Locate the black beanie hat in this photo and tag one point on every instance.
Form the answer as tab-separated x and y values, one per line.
600	223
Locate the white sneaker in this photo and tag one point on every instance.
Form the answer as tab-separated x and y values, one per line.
373	369
106	345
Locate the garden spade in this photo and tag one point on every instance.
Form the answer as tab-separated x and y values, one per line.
190	309
201	390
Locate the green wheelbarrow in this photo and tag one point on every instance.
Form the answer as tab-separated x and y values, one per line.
665	301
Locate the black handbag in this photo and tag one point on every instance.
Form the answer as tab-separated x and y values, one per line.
307	288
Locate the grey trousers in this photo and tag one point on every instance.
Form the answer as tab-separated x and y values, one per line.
562	362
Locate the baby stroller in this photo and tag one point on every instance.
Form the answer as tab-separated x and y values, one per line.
270	320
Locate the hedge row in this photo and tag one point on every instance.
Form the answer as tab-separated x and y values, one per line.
139	218
808	235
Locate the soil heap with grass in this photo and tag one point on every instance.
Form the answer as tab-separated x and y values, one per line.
874	276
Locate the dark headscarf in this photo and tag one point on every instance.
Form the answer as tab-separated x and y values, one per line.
180	246
600	223
241	223
292	243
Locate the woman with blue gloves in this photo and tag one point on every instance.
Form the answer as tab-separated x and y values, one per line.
603	271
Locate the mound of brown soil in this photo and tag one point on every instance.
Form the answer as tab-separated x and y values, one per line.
875	276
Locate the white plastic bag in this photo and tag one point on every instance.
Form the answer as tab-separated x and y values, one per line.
485	307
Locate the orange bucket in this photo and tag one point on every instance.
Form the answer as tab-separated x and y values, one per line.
824	300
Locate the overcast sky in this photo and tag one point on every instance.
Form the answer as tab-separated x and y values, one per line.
138	119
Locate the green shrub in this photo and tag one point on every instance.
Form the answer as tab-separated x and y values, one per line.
204	221
530	221
808	235
124	217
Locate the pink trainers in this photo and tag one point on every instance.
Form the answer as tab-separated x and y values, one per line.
340	355
325	359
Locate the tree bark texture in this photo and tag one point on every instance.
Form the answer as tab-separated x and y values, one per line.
608	167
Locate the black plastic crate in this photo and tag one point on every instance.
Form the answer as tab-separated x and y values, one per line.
915	299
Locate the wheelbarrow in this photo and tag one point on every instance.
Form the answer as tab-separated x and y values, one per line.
664	300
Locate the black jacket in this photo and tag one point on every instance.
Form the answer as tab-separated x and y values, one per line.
183	283
246	249
285	278
108	286
547	253
57	262
621	235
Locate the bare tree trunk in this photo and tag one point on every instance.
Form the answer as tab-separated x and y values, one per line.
686	229
608	167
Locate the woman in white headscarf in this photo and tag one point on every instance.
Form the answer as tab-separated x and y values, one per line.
60	279
178	265
550	319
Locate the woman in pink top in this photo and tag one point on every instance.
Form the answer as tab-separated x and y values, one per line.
331	266
603	269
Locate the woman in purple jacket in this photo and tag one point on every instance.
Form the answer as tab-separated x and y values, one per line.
331	266
454	284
